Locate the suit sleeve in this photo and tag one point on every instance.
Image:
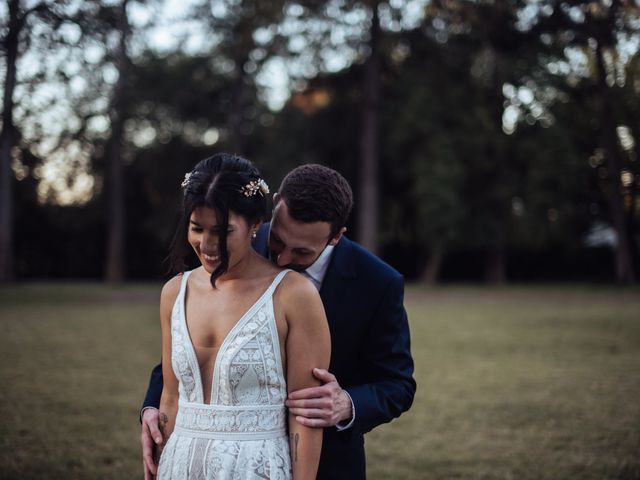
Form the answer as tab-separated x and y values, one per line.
388	364
154	391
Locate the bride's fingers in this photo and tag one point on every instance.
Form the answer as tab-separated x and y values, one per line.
147	453
150	465
150	469
147	473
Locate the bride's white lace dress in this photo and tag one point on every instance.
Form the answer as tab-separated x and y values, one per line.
242	433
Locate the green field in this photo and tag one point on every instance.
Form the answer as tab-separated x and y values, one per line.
517	383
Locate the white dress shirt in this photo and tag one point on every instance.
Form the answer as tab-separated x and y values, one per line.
318	269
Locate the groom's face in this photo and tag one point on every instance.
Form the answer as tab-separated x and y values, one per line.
293	244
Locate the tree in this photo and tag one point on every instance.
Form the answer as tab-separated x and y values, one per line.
16	40
486	34
367	201
428	123
7	138
336	35
602	25
115	258
595	29
238	51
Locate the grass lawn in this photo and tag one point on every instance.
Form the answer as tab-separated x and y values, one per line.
539	382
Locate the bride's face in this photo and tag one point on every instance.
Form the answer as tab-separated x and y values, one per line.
203	237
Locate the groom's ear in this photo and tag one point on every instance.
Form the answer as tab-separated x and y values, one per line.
276	197
336	239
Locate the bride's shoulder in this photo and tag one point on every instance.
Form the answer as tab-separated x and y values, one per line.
300	302
171	289
297	287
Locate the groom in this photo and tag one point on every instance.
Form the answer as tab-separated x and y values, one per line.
371	381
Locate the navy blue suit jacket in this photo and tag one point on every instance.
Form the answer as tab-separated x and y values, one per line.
370	351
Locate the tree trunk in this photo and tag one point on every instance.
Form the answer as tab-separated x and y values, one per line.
431	272
115	262
632	214
115	271
234	120
7	138
623	252
368	178
496	266
496	260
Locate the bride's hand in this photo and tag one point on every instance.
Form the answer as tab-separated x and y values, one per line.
152	441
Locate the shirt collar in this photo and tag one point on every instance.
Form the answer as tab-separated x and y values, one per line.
318	269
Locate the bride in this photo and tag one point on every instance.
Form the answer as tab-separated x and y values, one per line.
240	333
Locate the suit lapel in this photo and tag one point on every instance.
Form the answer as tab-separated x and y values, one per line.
334	289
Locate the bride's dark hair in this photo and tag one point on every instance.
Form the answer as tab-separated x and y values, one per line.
218	182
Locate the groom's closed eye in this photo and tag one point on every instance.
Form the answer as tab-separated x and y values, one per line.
276	242
273	238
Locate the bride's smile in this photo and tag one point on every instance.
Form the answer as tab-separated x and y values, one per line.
204	234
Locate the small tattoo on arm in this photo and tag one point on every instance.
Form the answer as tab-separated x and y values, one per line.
297	439
162	424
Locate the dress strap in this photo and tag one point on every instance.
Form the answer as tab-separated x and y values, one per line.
276	282
183	283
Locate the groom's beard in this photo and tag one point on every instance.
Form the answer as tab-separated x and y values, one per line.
293	266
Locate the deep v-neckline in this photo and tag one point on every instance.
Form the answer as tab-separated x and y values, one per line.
230	334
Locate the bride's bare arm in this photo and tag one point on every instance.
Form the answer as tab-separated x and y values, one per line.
308	346
169	398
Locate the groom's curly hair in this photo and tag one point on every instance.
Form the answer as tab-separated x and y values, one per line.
315	193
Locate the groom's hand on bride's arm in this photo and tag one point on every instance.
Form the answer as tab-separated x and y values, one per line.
323	406
151	440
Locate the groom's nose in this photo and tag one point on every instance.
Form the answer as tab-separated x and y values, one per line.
284	258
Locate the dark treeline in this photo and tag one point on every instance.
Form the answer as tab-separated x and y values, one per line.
484	140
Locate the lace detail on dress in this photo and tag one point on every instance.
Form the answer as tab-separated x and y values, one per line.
241	435
197	472
249	370
189	384
215	421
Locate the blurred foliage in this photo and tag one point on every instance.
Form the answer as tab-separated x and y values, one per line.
491	141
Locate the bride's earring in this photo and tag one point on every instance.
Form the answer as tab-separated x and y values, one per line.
254	234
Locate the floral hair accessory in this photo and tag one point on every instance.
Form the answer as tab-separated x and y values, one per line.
185	182
254	187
